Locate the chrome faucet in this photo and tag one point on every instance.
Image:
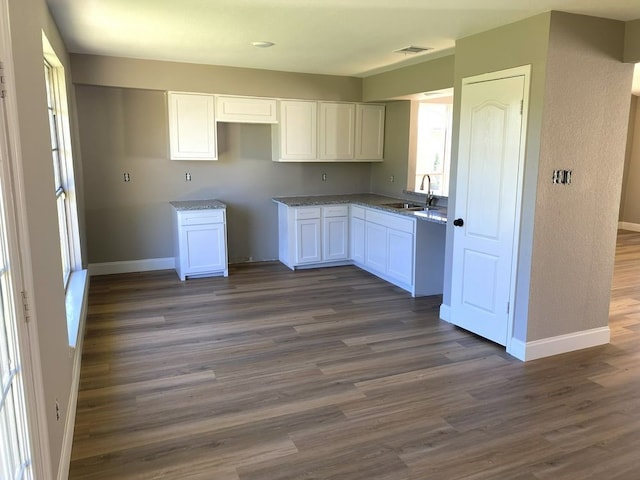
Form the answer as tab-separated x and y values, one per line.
429	193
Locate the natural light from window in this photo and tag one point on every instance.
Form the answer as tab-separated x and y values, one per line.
73	277
433	150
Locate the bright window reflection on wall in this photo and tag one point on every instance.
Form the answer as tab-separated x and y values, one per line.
433	145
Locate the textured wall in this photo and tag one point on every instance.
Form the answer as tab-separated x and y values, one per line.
585	117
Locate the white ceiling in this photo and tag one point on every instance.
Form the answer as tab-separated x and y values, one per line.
338	37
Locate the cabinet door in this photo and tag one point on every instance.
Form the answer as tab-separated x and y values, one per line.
336	135
192	126
335	238
308	241
400	260
204	249
246	109
357	240
298	130
376	247
369	132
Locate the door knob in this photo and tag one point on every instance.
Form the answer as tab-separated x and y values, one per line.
458	222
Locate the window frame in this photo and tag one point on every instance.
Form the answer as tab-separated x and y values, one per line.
62	159
415	175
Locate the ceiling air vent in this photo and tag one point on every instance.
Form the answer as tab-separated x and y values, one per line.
412	50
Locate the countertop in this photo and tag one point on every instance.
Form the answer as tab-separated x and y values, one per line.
437	215
197	205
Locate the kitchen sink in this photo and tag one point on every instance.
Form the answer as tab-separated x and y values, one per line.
412	207
404	205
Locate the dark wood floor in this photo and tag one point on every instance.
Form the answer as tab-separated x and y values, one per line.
335	374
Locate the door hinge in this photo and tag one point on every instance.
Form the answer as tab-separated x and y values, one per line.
521	106
508	306
25	306
3	81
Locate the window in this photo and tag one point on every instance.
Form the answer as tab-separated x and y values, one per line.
15	455
59	169
432	123
73	277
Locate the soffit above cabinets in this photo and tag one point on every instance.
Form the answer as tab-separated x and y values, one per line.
336	37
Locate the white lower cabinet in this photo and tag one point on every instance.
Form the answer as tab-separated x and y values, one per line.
310	236
376	246
308	241
200	243
389	241
400	259
357	237
335	234
398	248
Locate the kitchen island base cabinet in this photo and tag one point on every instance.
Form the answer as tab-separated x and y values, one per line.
200	243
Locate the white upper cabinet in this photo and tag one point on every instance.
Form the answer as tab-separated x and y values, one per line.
369	131
311	131
295	138
336	134
192	126
246	109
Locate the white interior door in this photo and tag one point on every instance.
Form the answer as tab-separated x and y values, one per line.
487	202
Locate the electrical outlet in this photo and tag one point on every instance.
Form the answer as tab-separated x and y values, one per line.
127	177
392	178
187	177
324	177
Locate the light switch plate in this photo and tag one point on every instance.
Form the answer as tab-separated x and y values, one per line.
561	177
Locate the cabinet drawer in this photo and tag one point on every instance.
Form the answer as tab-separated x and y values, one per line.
335	211
201	218
396	222
306	213
357	212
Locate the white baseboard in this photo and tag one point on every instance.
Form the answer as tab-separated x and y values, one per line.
445	313
145	265
70	420
556	345
633	227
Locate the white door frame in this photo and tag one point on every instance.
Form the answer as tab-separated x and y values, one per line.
20	253
525	71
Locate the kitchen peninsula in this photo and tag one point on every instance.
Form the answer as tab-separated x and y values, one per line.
399	241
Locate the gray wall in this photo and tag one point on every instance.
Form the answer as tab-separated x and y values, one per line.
632	42
189	77
28	18
423	77
125	130
585	118
630	198
396	152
